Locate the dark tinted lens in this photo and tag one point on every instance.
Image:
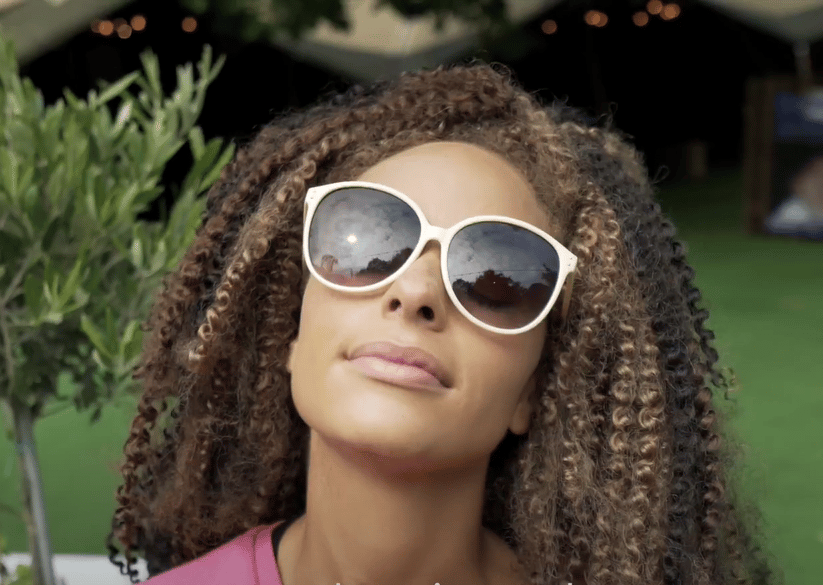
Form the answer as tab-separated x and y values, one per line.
502	274
359	236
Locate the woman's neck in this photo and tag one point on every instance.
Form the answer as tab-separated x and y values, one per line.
368	522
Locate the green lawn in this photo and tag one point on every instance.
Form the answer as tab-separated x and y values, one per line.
764	295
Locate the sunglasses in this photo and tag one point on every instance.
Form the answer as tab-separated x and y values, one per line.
503	274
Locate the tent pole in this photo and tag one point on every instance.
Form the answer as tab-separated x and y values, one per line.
803	63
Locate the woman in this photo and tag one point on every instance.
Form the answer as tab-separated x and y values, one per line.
334	392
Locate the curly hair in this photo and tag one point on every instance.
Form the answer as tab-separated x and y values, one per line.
621	477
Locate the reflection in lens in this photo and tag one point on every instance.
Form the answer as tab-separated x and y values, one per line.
359	236
502	274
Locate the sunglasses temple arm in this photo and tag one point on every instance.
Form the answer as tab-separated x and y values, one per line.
567	297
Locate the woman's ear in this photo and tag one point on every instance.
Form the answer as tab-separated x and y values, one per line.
519	423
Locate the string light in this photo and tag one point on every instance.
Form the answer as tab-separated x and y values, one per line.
95	26
640	18
105	28
189	24
549	27
124	31
654	6
138	22
670	11
596	18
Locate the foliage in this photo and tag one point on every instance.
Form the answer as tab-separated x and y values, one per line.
261	19
22	573
77	268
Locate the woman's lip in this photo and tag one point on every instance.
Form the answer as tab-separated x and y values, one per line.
408	355
396	373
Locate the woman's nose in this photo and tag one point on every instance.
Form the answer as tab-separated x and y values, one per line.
419	295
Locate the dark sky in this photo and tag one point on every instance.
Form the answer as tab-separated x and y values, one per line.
667	83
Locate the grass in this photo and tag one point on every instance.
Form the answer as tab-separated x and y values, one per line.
764	295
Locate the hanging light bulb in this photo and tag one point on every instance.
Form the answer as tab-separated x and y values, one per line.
138	22
189	24
106	28
596	18
670	11
549	27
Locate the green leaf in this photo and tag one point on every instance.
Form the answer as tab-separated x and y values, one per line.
115	89
56	188
50	282
33	293
131	343
119	246
214	173
137	252
158	260
73	280
8	173
196	142
50	125
111	327
73	101
123	115
91	204
25	179
95	336
152	77
145	196
51	231
183	96
53	317
36	207
81	297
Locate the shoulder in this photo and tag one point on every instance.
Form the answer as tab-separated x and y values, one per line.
246	560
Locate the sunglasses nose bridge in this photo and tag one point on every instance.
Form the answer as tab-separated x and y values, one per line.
432	233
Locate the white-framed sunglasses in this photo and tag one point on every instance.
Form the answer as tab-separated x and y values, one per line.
502	274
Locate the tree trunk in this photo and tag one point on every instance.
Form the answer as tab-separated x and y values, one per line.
34	506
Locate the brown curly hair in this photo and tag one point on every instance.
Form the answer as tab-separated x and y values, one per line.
621	477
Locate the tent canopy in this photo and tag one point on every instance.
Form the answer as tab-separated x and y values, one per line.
795	21
380	43
38	26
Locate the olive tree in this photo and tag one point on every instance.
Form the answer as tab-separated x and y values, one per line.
78	268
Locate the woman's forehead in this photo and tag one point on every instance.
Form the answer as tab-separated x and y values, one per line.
451	181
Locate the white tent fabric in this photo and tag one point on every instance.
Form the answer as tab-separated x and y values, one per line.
795	21
37	26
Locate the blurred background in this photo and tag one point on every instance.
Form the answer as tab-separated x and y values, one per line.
721	96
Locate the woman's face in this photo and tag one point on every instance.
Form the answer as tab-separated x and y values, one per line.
488	376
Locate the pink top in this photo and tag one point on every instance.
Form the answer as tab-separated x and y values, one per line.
246	560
